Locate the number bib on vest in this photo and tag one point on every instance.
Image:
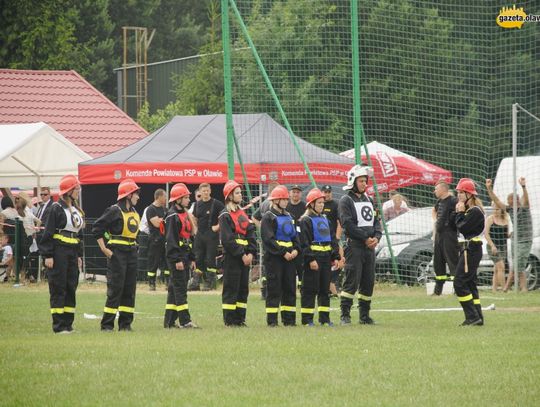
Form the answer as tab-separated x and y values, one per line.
285	228
364	213
185	228
131	224
321	229
241	221
74	220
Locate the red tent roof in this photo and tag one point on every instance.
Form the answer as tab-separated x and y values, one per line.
69	104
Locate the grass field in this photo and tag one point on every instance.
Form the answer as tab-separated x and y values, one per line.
409	358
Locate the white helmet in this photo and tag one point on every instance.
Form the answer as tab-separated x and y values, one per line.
355	172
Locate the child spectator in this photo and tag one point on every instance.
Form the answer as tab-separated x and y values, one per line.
7	258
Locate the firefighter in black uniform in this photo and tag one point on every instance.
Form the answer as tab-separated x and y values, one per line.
119	224
178	236
206	212
445	243
281	246
320	249
296	208
238	238
362	226
62	248
155	213
470	223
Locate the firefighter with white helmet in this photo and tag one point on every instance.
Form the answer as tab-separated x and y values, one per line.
116	233
320	249
362	227
62	248
178	234
470	224
281	246
238	237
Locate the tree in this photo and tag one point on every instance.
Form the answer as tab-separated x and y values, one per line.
58	34
199	90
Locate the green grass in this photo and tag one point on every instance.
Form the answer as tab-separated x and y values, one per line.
409	358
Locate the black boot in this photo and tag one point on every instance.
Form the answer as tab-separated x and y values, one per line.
438	287
479	311
365	319
345	314
471	314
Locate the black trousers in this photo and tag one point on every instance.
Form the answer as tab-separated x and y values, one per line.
359	276
299	266
281	290
316	284
235	290
156	258
445	251
63	281
465	282
177	305
121	287
205	248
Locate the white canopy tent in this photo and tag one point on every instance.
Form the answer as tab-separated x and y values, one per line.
35	155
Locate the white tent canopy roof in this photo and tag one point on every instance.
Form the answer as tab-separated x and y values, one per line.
34	154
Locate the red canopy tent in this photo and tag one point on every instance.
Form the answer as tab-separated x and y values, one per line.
394	169
192	149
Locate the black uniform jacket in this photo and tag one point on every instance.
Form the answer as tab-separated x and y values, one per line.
177	249
306	240
470	223
56	221
349	218
228	236
111	221
268	235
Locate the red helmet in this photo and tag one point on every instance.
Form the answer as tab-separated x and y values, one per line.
229	187
68	183
126	187
313	195
279	192
178	191
466	185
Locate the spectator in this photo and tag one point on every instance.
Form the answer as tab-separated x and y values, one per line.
396	208
387	204
6	264
7	218
42	213
197	195
523	226
31	223
498	227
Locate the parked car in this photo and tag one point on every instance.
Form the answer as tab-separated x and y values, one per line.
410	236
